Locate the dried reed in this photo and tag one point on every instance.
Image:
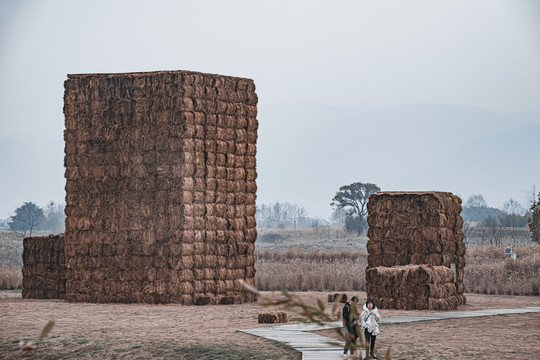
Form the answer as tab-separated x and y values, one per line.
10	277
298	270
488	270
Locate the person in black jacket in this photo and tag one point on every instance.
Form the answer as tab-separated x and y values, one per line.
349	315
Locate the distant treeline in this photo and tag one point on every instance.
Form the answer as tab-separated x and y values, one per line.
488	214
285	215
30	217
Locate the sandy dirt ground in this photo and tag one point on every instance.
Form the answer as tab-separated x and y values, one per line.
490	337
133	331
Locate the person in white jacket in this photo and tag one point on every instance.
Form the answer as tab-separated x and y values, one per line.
368	319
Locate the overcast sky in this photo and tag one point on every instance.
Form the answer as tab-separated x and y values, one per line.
343	54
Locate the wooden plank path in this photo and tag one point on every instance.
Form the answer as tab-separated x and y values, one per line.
316	347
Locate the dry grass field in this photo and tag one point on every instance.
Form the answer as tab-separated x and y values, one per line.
10	277
133	331
326	238
488	270
139	331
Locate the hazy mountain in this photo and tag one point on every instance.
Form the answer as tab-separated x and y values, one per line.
307	150
524	117
499	163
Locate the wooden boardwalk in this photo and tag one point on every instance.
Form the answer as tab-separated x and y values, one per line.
316	347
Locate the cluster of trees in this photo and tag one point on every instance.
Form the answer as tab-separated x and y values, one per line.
281	215
30	217
512	214
350	208
495	226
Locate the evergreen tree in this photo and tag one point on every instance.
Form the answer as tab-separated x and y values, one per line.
534	221
27	218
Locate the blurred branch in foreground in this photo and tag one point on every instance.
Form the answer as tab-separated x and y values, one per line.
316	315
30	345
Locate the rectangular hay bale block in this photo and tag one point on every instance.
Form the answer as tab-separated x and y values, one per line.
273	318
155	161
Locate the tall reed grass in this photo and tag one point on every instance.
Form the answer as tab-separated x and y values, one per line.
10	277
488	270
300	270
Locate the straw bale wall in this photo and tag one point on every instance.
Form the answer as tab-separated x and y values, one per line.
44	275
413	287
418	228
160	187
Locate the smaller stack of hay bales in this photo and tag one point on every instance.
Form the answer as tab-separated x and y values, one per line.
413	287
44	267
418	228
273	318
337	297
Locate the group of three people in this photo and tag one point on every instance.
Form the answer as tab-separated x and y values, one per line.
369	319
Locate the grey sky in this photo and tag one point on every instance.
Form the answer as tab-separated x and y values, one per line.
342	54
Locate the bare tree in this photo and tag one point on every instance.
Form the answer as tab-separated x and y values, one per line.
279	214
338	216
291	213
493	229
468	228
476	201
513	207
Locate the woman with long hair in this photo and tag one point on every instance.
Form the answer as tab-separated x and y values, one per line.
369	320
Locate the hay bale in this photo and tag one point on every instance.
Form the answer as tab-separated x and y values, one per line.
273	318
160	185
413	287
342	298
44	268
230	300
203	300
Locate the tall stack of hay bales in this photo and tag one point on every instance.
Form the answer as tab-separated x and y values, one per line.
160	183
415	228
44	267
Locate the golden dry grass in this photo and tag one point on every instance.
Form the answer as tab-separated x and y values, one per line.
488	270
10	277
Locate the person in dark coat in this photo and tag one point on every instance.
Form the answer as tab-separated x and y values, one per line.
350	316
